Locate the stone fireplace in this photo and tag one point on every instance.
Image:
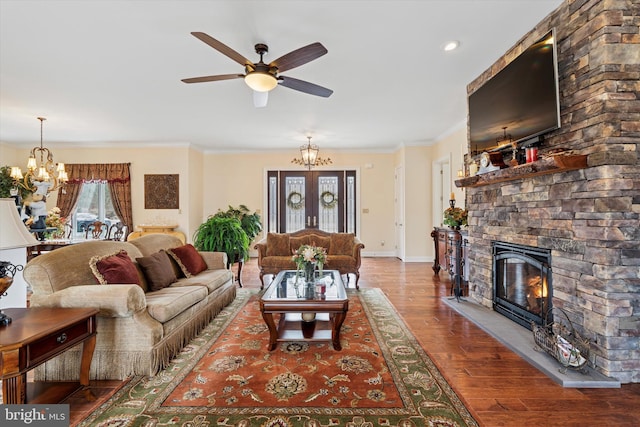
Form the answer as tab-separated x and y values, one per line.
587	218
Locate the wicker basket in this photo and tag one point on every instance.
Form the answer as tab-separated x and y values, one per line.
560	340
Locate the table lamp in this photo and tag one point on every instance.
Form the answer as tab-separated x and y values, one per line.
13	234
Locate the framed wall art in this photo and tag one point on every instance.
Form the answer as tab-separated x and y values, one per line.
161	191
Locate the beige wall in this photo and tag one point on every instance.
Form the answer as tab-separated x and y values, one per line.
212	181
241	177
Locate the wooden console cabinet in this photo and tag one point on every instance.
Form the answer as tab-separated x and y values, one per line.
451	255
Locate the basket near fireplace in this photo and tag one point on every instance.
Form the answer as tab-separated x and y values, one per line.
563	343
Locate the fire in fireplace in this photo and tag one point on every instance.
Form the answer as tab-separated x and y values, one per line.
522	283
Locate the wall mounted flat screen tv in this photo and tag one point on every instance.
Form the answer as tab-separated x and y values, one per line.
520	101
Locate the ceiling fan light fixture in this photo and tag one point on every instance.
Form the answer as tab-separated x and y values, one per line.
260	81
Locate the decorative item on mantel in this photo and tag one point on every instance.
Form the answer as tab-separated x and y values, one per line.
455	217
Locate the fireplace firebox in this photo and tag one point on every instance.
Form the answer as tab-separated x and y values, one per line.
522	283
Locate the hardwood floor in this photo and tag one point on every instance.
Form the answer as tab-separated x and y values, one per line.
498	387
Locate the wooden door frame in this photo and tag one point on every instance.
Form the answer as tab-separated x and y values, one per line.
265	194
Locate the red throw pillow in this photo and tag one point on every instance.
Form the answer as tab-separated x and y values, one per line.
189	259
115	269
157	270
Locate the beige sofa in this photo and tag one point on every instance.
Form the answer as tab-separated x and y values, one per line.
138	331
275	251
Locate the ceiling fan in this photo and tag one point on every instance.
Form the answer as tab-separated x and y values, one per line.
263	77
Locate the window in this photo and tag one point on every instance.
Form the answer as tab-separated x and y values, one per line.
94	204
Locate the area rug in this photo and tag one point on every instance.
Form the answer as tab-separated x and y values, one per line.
227	377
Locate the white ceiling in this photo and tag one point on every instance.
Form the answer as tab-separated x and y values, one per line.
108	72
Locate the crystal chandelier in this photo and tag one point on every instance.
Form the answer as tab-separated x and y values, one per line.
309	156
42	177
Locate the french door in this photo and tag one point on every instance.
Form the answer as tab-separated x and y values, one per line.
324	200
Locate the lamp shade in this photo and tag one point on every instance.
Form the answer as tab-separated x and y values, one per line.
13	233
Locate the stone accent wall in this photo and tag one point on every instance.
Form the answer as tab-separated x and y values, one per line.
589	218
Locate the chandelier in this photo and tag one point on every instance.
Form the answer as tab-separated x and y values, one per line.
309	156
42	177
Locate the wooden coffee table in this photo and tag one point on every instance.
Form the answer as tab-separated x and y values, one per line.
293	302
36	335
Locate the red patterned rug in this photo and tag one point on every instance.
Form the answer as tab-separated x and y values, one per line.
226	377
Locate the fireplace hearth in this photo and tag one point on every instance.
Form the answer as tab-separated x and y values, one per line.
522	283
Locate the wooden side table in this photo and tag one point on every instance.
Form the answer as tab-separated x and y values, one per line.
37	335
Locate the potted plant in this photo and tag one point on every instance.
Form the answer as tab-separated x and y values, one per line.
250	222
7	185
455	217
222	234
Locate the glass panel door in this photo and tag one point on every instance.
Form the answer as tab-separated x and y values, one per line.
311	199
295	203
328	216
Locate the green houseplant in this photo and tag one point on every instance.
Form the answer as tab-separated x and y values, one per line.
220	234
230	231
250	222
6	182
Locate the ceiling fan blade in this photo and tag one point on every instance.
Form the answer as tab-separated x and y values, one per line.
305	87
213	78
260	99
299	57
222	48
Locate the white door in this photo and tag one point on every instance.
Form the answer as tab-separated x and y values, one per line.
399	212
441	189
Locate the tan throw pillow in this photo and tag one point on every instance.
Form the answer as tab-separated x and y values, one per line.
157	270
321	242
189	259
296	242
278	244
114	269
342	244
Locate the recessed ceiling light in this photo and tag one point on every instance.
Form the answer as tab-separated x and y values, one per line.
452	45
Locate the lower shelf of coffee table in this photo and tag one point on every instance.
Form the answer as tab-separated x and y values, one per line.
293	328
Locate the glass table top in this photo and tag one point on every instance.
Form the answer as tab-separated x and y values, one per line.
289	286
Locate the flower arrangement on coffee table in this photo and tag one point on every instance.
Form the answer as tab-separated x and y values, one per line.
307	257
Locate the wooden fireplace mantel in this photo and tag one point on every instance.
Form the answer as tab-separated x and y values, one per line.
545	166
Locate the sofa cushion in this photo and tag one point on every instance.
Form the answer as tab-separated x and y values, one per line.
167	303
114	269
340	262
281	262
342	244
320	241
211	279
157	270
189	260
295	243
278	244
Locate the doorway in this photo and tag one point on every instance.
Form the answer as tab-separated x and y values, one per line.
324	200
441	188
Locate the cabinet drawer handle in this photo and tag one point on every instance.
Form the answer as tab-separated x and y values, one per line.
62	338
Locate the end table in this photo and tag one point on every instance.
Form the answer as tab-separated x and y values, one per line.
36	335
